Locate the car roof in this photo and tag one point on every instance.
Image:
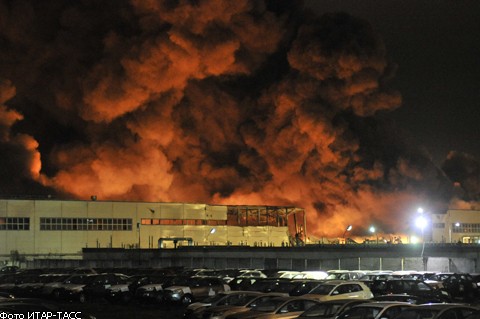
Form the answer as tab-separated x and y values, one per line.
382	304
345	301
440	306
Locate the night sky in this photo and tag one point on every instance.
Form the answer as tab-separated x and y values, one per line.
436	47
357	111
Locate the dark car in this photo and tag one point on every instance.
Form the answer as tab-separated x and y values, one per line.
375	310
303	287
273	285
226	298
9	270
331	309
409	286
97	288
72	288
225	311
195	289
460	286
154	291
437	311
416	300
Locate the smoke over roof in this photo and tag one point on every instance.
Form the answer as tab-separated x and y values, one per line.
234	102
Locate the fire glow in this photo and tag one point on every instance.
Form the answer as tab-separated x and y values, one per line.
228	102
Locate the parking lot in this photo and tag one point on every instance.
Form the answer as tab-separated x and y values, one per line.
171	293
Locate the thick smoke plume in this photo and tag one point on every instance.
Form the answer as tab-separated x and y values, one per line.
235	102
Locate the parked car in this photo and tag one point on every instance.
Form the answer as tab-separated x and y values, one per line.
221	312
331	309
72	288
280	307
416	300
154	291
33	286
47	290
375	310
318	275
273	285
195	289
98	287
244	283
6	295
340	289
225	298
437	311
9	270
370	277
410	287
303	287
460	286
345	274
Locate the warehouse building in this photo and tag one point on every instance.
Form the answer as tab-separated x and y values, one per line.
456	226
62	228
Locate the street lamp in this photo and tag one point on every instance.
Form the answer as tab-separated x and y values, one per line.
373	231
212	231
349	228
421	222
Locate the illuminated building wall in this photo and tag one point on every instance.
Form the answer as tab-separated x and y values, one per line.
63	228
456	226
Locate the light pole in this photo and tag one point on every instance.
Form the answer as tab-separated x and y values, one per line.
373	231
349	228
421	222
212	231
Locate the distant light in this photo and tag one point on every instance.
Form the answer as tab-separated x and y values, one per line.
349	228
414	240
421	222
372	229
420	210
213	230
457	224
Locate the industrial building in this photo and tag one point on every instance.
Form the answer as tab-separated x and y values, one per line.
62	228
456	226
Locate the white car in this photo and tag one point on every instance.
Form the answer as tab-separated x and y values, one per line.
340	289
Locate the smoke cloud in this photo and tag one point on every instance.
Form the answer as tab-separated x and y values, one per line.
228	102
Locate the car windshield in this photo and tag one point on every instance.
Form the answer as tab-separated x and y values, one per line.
322	310
361	312
81	279
340	276
417	313
267	305
322	289
214	298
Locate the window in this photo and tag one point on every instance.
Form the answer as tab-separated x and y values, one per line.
14	223
85	224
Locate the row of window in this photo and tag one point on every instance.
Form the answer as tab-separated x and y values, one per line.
85	224
460	227
465	228
14	223
123	224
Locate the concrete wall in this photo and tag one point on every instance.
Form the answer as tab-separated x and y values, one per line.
439	258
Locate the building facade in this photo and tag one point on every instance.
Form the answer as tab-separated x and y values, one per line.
456	226
61	228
